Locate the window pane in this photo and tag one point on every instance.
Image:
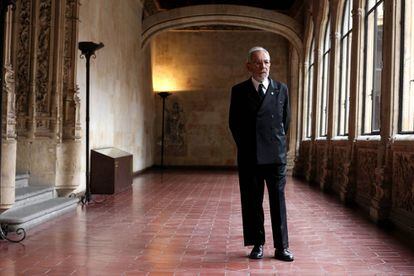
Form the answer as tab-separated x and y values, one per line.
309	103
324	95
347	17
327	40
407	97
348	80
325	82
345	65
371	3
373	70
309	95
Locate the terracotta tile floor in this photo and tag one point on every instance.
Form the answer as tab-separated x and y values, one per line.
188	223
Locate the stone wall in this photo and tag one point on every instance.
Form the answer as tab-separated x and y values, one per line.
121	111
200	68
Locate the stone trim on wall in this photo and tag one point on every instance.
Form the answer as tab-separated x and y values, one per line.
224	14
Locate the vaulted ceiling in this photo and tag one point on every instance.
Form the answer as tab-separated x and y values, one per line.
289	7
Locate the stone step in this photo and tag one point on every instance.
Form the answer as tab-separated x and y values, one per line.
32	194
34	214
22	180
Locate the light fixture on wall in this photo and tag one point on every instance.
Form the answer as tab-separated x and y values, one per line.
88	49
163	96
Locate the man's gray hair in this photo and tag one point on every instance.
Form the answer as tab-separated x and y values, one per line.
255	49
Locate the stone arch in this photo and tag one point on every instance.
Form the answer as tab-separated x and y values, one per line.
204	15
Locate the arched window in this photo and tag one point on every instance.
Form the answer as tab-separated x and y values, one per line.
325	80
406	99
344	69
371	94
309	97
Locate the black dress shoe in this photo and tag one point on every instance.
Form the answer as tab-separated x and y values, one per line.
284	255
257	252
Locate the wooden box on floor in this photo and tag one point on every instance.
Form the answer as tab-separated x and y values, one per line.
111	171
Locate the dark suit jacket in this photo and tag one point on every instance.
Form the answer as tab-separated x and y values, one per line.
259	127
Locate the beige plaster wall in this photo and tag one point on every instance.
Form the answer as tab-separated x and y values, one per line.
200	68
121	111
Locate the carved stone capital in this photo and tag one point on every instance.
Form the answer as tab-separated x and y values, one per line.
71	116
335	35
357	12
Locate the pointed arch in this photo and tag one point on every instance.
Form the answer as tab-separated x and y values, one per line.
204	15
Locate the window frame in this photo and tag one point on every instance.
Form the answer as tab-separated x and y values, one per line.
401	80
344	68
325	78
374	56
309	100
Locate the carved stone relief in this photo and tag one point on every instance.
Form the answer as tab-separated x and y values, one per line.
340	168
43	63
72	124
301	162
49	111
403	176
366	178
48	103
22	64
9	124
43	49
321	162
71	107
175	130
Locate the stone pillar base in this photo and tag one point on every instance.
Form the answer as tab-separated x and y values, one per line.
379	213
8	174
68	167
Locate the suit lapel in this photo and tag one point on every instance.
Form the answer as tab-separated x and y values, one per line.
272	91
252	94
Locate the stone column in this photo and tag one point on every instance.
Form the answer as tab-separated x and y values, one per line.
326	178
8	147
347	189
306	146
68	152
318	11
381	202
293	97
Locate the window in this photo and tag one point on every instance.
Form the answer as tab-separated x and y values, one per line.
371	95
325	80
344	69
310	90
406	113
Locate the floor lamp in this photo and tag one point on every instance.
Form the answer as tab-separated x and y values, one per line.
88	49
163	95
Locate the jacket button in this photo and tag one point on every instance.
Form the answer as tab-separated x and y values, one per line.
273	116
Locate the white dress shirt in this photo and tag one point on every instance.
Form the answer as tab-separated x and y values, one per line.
265	84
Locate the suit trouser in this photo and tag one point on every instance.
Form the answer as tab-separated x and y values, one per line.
251	180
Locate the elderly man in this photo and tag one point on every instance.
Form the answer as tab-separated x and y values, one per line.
259	121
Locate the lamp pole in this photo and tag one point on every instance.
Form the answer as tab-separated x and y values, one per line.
163	95
88	49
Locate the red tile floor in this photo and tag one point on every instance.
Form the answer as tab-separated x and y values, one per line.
188	223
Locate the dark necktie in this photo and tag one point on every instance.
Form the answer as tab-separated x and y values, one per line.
261	91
